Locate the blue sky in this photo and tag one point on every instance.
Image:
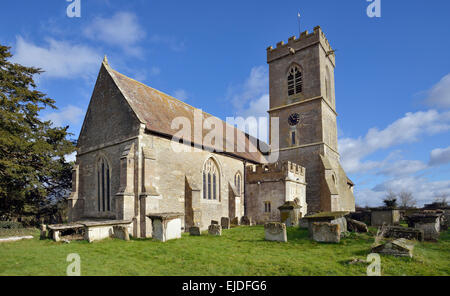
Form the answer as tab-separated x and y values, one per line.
392	74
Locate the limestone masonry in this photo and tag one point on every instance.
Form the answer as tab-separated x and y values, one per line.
128	167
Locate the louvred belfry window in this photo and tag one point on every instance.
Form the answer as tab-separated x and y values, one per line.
295	80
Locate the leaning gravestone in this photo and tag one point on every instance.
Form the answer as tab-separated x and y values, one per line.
325	232
215	229
194	231
225	223
275	231
399	247
356	226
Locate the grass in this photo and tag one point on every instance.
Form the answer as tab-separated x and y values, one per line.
239	251
4	233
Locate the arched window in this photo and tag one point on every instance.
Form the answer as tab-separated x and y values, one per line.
103	185
238	183
211	180
295	80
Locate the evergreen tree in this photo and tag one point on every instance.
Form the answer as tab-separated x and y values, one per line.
34	174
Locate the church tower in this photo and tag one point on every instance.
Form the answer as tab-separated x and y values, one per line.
301	82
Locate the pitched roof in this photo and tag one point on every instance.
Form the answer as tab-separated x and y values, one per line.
157	110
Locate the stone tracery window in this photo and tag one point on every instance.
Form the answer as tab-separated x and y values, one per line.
103	185
211	180
295	80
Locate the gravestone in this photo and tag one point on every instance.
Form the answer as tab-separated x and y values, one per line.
214	222
325	232
399	247
225	223
329	217
235	221
275	231
194	231
245	220
43	231
121	232
215	229
356	226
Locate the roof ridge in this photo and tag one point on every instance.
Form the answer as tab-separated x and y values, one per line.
180	101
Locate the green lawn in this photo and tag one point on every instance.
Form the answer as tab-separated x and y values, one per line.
240	251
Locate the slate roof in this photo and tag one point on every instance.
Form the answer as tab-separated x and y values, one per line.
157	110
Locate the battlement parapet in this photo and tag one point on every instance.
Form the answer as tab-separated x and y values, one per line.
294	44
275	171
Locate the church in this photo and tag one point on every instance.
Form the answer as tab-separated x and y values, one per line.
130	162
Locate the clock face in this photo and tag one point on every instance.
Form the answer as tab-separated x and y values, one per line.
294	119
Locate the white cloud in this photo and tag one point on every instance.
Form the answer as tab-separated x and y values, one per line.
69	115
402	168
59	59
440	156
439	94
122	30
251	99
71	157
407	129
423	190
181	94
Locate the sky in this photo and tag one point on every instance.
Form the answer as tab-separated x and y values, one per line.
392	72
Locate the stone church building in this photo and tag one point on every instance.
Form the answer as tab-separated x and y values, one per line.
128	164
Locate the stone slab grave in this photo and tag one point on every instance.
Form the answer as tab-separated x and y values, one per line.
90	230
194	231
245	220
325	232
166	226
59	231
404	232
356	226
275	231
381	217
290	213
428	222
398	247
225	223
215	229
329	217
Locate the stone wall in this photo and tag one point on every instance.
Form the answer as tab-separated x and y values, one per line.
275	183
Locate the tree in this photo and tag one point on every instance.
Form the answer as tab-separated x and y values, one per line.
34	174
441	198
407	200
390	201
